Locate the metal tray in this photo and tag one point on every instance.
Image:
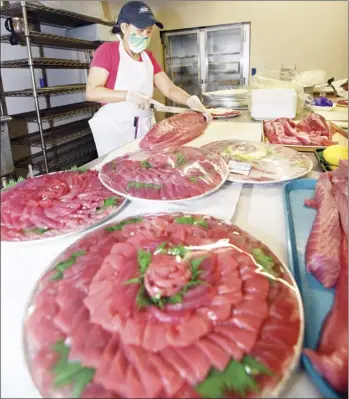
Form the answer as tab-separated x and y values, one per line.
44	91
317	300
45	62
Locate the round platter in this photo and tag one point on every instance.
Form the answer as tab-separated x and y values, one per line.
174	175
54	206
270	163
167	305
224	113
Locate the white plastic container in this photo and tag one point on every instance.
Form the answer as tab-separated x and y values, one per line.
267	104
94	32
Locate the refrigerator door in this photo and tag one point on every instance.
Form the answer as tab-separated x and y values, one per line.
224	58
182	60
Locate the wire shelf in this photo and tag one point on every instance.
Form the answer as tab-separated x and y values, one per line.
42	91
78	152
49	40
51	16
43	62
55	136
64	111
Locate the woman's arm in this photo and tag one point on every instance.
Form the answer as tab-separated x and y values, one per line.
96	90
169	89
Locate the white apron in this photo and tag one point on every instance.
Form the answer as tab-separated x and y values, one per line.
114	124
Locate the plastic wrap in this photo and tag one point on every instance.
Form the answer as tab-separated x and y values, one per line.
271	79
311	131
173	174
176	130
312	78
264	162
55	204
164	306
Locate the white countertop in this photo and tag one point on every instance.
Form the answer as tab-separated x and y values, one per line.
259	210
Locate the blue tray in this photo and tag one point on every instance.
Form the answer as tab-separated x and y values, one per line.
317	300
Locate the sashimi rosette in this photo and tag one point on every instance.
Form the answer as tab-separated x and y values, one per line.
55	204
173	174
164	306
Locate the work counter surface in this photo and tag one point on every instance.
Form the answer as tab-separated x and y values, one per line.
258	209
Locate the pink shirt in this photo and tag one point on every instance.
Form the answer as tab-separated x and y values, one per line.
107	57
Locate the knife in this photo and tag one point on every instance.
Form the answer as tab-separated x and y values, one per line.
163	108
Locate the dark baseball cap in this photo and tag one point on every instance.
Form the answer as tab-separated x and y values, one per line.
138	14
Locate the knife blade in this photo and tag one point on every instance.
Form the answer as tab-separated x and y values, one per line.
163	108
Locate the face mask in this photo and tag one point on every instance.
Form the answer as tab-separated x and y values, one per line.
138	43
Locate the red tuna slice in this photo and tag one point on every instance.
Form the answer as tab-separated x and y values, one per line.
276	331
252	307
188	332
171	380
41	331
132	333
248	322
95	345
202	363
148	376
64	319
216	313
176	130
272	354
184	369
230	283
93	391
43	362
227	345
243	338
78	339
168	317
257	285
108	355
187	392
114	380
133	387
322	252
155	336
231	298
218	357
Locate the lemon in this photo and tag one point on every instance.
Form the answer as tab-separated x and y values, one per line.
335	153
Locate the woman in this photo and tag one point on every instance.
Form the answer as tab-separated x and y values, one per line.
122	77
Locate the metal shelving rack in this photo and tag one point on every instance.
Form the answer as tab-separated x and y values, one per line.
66	143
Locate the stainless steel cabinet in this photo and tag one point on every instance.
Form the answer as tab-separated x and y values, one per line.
208	59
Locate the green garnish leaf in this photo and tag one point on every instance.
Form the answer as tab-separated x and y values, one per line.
65	264
135	280
180	250
175	299
13	182
70	373
80	169
121	225
112	201
181	160
145	164
256	367
236	378
191	220
265	261
37	230
161	248
139	185
142	298
193	179
144	259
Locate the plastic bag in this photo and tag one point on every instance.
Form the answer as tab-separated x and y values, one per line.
322	102
312	78
188	285
176	173
273	79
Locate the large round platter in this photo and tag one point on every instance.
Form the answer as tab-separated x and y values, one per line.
167	305
174	175
40	207
270	163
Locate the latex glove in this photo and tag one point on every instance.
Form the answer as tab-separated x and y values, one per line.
138	99
195	104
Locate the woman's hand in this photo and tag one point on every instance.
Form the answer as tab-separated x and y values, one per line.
139	100
196	105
